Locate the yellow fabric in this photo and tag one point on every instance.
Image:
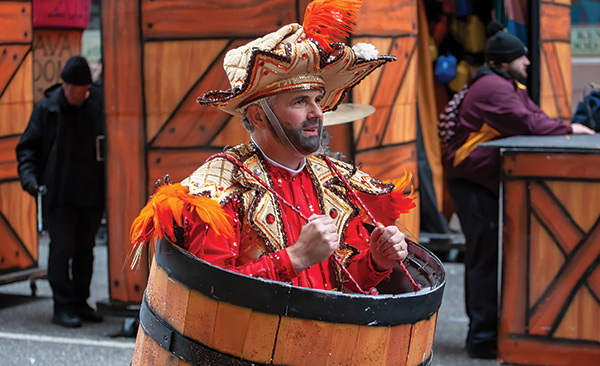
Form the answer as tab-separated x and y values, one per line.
486	133
427	106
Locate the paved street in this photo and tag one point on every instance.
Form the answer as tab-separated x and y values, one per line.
27	337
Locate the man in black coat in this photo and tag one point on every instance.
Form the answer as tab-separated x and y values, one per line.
59	155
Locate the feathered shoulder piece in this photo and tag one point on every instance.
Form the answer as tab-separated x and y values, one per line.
170	205
388	207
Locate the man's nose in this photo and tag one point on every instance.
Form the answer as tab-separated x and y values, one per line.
315	110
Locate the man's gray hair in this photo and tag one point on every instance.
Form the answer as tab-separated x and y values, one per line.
248	125
246	122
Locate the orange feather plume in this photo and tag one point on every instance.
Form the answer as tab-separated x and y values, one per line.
388	207
328	21
173	203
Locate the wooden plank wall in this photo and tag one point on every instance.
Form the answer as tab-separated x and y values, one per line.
385	142
555	58
19	249
159	56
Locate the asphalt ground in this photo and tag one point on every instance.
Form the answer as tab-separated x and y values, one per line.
27	336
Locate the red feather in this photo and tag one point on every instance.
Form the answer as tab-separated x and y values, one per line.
328	21
388	207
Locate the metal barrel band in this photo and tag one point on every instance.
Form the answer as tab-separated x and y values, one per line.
185	348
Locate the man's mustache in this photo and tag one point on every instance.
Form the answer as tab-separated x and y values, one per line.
317	123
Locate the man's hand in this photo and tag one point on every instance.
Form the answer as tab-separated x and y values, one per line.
580	129
32	188
388	247
317	241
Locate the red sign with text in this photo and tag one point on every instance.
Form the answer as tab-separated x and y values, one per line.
61	13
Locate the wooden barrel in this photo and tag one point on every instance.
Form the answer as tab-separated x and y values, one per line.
194	313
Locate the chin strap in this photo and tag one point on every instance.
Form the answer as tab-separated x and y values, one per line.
277	127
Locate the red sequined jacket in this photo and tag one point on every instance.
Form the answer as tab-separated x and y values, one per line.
263	226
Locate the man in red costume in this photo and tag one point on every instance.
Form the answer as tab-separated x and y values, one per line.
285	213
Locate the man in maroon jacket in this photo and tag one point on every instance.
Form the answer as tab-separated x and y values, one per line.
497	105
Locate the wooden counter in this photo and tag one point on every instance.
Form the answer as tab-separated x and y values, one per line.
550	278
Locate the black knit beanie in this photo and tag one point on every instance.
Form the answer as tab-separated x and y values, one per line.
504	47
76	71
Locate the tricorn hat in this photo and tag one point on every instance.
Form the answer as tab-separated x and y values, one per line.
297	57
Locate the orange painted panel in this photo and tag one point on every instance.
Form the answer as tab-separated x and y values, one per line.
15	26
552	214
232	133
402	126
546	258
388	18
8	158
18	212
210	19
126	172
390	162
555	22
171	70
580	200
528	165
557	80
541	352
514	232
192	124
583	306
16	99
374	131
550	306
51	50
11	59
13	255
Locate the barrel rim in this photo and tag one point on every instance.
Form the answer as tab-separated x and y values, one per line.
280	298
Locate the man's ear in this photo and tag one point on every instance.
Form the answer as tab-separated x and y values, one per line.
257	116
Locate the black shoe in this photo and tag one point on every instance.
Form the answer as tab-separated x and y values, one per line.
486	353
66	319
86	313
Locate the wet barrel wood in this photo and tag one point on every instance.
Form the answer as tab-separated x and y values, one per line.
199	314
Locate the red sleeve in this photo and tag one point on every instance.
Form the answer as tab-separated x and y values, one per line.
202	242
361	266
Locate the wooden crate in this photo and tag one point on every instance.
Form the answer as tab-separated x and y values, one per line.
550	291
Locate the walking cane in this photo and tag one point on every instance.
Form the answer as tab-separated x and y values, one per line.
40	224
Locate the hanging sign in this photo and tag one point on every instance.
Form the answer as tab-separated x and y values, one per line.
61	13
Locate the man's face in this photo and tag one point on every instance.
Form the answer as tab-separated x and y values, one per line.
517	68
76	94
301	117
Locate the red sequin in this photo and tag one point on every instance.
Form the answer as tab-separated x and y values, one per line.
270	218
333	213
